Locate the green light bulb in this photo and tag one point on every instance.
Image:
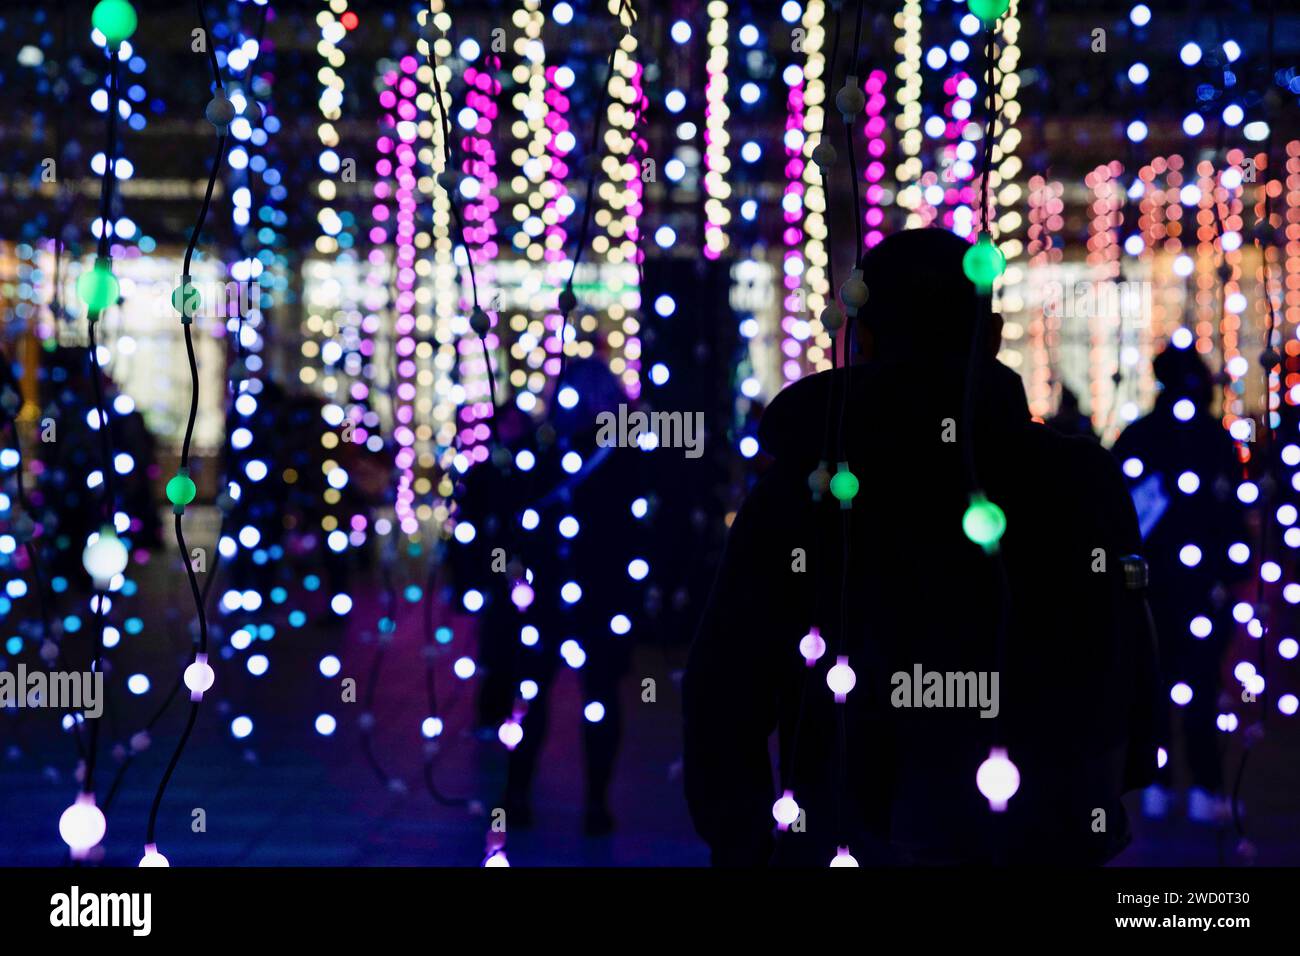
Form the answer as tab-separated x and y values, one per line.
983	262
115	19
989	10
186	301
97	287
181	489
844	486
984	522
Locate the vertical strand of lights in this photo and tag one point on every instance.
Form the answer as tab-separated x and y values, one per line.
873	171
478	165
907	120
254	180
792	232
105	558
1204	269
451	301
816	280
401	91
1274	338
1234	304
953	187
538	187
1103	259
121	230
1044	253
1009	225
621	197
620	206
447	315
717	165
322	287
198	676
1159	238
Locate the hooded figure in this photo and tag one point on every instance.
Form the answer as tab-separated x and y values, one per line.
1183	473
1072	702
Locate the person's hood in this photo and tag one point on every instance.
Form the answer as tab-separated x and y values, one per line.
890	402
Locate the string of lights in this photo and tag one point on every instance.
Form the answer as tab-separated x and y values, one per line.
82	825
181	491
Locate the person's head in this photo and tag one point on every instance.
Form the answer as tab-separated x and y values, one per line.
1182	373
919	300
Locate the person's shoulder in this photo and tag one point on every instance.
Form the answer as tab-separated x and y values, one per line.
783	428
1079	459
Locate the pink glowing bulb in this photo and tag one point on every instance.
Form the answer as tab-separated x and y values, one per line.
785	810
812	647
841	679
152	857
998	779
82	825
844	858
510	733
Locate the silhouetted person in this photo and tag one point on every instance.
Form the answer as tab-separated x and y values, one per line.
1074	703
1183	474
575	524
1069	418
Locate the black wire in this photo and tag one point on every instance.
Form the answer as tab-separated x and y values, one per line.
201	646
592	157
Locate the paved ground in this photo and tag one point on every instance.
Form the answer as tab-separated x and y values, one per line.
286	795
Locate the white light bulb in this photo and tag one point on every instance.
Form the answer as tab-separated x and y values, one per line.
785	810
105	557
510	733
82	825
199	677
152	857
844	858
812	646
841	679
998	779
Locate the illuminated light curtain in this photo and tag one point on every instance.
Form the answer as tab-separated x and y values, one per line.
323	333
717	215
1263	304
952	187
1236	361
440	293
807	328
1204	298
1103	260
1007	166
1287	272
1291	300
542	205
907	120
792	207
123	230
1044	251
620	195
873	173
1158	224
400	143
